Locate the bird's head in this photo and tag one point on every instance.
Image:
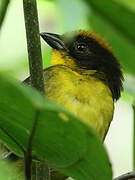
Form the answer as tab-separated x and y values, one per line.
83	51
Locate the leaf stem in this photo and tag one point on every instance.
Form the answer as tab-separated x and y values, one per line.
28	158
33	44
3	10
36	77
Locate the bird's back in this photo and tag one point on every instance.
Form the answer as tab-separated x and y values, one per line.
84	95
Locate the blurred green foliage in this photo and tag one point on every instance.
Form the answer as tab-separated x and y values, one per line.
73	148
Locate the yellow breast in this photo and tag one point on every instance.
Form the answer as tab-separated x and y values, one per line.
84	96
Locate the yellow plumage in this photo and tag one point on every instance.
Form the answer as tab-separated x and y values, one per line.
80	92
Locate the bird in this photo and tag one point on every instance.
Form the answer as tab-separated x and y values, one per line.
84	77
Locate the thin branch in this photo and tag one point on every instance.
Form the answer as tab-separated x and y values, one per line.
33	44
3	10
36	74
127	176
28	158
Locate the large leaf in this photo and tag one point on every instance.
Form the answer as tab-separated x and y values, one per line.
118	15
116	23
61	140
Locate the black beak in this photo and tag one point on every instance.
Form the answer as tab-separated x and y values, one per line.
54	40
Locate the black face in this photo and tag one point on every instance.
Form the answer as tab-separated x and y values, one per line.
89	54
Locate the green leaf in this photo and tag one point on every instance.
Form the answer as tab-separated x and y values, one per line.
116	23
61	140
120	16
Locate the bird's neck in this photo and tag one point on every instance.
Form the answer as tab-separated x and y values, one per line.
113	79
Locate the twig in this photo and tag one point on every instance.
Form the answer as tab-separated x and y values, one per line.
36	75
33	43
28	158
3	10
42	171
127	176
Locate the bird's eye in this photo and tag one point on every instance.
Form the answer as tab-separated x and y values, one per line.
81	47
